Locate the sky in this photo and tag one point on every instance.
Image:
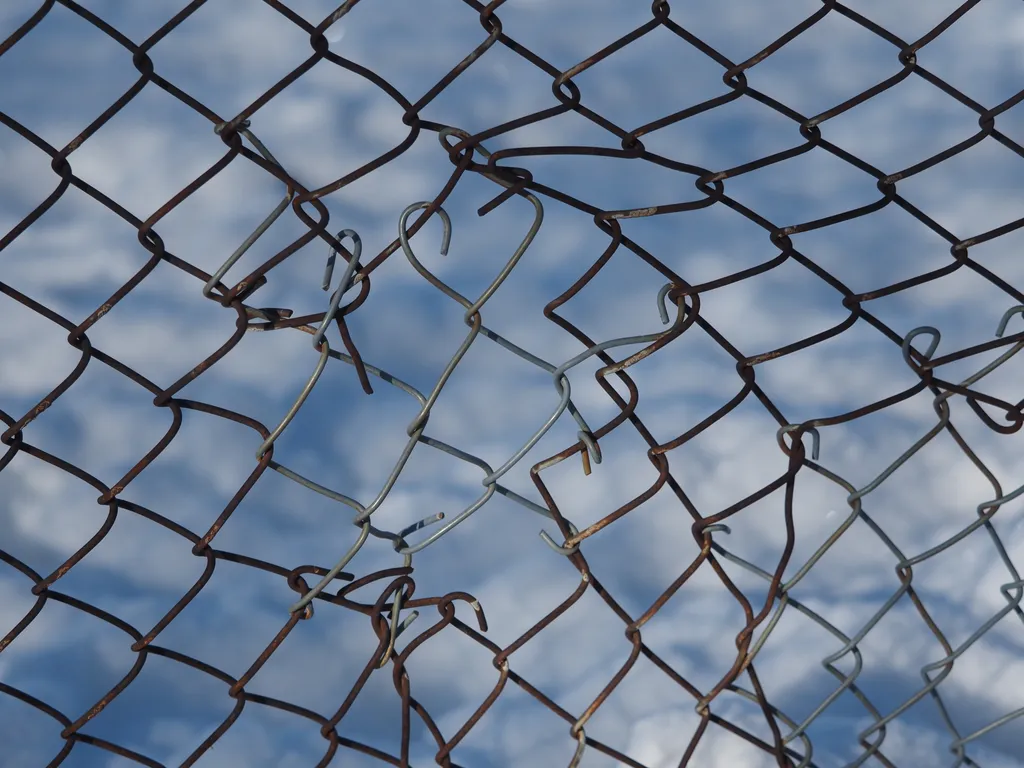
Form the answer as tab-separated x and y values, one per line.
65	72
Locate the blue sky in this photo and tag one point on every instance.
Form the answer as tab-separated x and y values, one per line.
65	72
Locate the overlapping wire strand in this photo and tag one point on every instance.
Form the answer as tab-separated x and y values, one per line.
680	306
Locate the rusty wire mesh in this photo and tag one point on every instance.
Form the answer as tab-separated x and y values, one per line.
387	594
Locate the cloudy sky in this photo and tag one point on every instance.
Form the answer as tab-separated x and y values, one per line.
60	77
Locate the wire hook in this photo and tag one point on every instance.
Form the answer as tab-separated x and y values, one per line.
1018	310
396	628
590	450
564	389
257	233
472	309
346	280
662	302
338	568
812	431
573	530
906	348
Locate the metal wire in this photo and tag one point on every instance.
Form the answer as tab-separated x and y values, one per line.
789	743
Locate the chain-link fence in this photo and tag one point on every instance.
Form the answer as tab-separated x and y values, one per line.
732	702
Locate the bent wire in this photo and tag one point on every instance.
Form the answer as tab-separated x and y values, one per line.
578	733
396	628
490	491
985	512
399	539
591	450
559	374
340	497
319	343
562	381
564	388
289	193
1001	328
309	596
346	280
812	431
472	309
940	401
